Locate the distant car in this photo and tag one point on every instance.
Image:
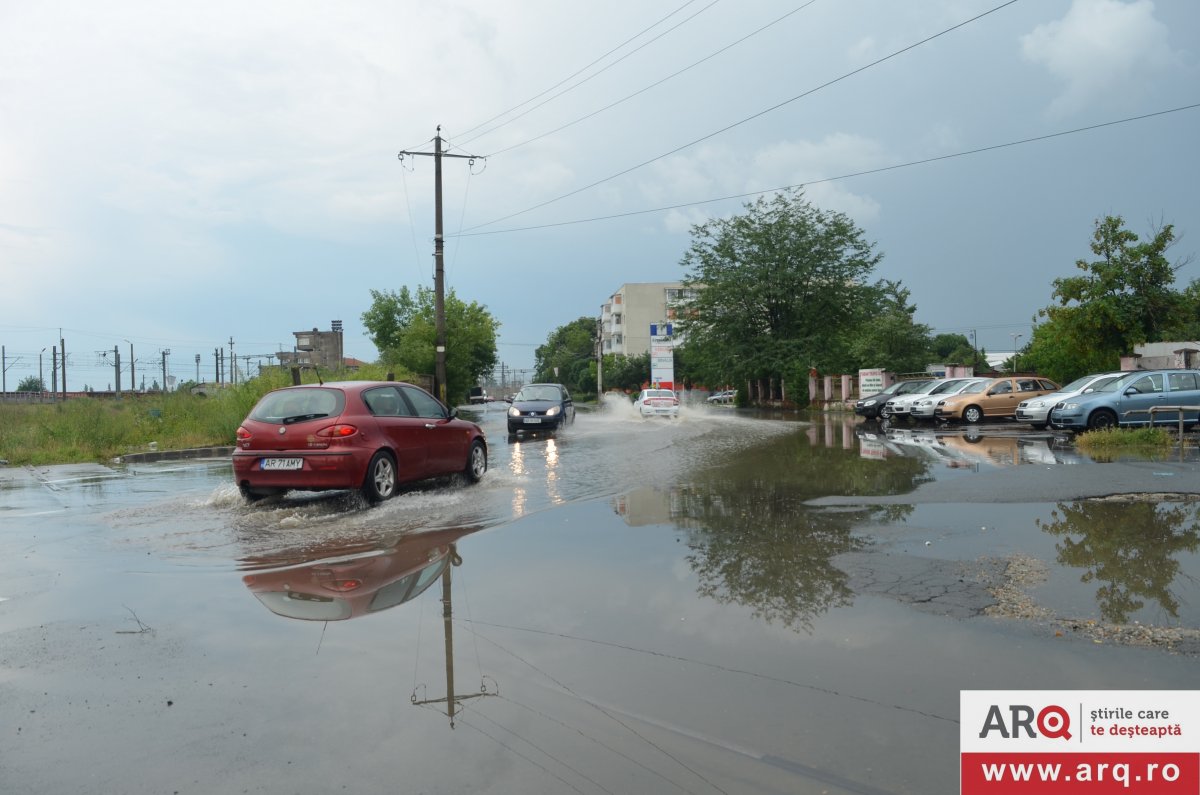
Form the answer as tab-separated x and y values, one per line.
657	403
900	407
1128	399
367	435
540	407
722	398
923	407
870	405
994	399
1036	411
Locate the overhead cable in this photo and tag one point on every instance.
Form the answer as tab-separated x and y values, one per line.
863	173
747	119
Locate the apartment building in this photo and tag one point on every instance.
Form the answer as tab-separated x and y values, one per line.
626	316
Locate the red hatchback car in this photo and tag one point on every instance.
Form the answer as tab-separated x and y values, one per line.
368	435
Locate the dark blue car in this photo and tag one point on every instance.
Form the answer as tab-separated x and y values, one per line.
540	407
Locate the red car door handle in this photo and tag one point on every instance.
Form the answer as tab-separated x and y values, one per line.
430	425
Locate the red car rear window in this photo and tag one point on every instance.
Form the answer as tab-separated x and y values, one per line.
296	405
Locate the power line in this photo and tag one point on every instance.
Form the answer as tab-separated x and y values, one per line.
751	117
656	83
863	173
580	71
595	74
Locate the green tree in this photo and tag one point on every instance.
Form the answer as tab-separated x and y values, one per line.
571	350
31	383
1123	298
403	327
626	372
778	289
890	339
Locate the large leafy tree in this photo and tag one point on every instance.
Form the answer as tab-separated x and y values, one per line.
403	327
1125	296
571	351
890	339
31	383
780	288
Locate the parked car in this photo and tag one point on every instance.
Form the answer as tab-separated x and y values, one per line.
870	405
1036	411
657	403
924	406
900	406
994	399
1128	399
722	398
540	407
368	435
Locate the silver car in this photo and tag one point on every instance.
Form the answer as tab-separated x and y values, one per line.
923	408
1036	411
900	406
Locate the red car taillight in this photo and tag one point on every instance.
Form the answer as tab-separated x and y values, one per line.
342	586
337	431
242	434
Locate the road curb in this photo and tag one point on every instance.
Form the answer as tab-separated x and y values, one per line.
174	455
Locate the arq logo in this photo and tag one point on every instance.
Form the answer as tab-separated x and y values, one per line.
1053	722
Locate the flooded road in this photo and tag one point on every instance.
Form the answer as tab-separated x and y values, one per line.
724	603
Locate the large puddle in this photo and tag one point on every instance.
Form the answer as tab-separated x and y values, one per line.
628	606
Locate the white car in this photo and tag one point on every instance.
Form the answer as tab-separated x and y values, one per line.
1036	411
657	403
923	408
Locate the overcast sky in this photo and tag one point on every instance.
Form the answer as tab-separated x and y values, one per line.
178	173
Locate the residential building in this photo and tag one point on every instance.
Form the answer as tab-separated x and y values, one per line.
320	349
626	316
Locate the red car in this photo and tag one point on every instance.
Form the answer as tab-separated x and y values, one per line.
368	435
340	586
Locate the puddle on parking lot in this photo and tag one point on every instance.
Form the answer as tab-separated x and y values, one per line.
629	606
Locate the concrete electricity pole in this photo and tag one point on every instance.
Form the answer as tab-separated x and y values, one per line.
439	287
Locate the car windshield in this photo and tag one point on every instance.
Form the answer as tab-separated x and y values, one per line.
297	405
941	387
539	392
978	386
1119	383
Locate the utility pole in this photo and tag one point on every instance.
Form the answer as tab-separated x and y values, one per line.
166	352
217	366
54	370
232	365
63	347
117	368
197	368
132	370
439	286
599	360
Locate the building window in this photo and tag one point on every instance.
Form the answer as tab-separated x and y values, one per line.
617	319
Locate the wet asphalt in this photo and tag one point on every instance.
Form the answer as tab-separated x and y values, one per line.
731	603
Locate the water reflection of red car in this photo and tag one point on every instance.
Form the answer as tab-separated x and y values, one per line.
340	586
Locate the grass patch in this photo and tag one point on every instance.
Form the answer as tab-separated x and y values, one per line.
100	429
1112	439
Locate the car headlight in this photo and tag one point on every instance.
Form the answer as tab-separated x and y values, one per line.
513	411
1069	406
868	402
553	411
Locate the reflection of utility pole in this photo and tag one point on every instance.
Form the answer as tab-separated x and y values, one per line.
439	278
451	699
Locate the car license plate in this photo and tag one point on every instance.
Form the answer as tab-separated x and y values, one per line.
282	463
533	420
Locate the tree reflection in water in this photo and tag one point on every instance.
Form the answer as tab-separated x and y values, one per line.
1130	548
755	543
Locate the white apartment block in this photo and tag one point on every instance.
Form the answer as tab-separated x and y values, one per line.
626	316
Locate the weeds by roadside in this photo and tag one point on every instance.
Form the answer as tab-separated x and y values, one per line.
1113	439
98	429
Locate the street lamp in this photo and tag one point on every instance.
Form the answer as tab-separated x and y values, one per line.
974	352
1014	358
